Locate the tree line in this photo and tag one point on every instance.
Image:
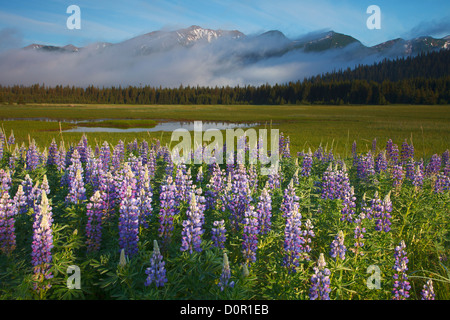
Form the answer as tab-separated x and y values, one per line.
423	79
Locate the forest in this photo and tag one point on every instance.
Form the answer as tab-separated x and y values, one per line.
423	79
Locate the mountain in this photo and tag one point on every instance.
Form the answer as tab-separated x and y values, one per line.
200	56
267	44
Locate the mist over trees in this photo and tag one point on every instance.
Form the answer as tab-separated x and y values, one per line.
423	79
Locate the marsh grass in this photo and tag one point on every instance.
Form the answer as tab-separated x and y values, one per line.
333	127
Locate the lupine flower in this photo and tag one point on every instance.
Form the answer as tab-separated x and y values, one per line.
264	211
129	223
442	183
407	152
320	281
239	198
289	200
365	166
392	152
41	256
329	183
274	178
183	183
191	236
381	162
105	156
427	292
95	212
308	233
348	205
200	174
214	187
32	157
401	283
293	239
382	222
434	166
397	176
218	234
445	157
168	209
77	192
250	235
374	146
11	139
156	273
144	191
226	274
20	200
418	178
338	247
118	155
8	211
53	154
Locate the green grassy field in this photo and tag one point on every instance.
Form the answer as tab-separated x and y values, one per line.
335	127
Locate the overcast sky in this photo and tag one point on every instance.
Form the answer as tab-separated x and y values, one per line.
24	22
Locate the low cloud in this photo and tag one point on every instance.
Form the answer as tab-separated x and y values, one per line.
161	63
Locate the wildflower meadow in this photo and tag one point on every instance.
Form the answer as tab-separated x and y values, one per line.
96	220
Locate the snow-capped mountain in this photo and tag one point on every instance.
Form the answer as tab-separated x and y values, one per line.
199	56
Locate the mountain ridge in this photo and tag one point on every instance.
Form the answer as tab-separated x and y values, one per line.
328	40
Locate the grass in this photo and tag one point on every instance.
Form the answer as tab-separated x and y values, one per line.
335	127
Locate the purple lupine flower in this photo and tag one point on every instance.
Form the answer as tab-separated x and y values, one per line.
308	233
239	197
365	166
329	184
264	211
338	247
397	176
118	155
354	153
105	156
95	212
218	234
168	209
145	193
77	191
383	222
61	160
401	283
1	150
214	187
109	190
73	165
407	152
348	205
156	273
289	200
410	169
183	183
129	223
191	236
417	180
374	145
427	292
226	274
11	139
20	200
8	211
442	183
41	255
252	177
376	207
320	281
381	163
293	239
32	156
200	175
318	154
307	164
5	180
434	166
250	235
274	178
359	232
53	154
143	151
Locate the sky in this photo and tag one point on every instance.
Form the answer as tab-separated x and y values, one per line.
44	22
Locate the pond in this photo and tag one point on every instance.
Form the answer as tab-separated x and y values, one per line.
169	126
